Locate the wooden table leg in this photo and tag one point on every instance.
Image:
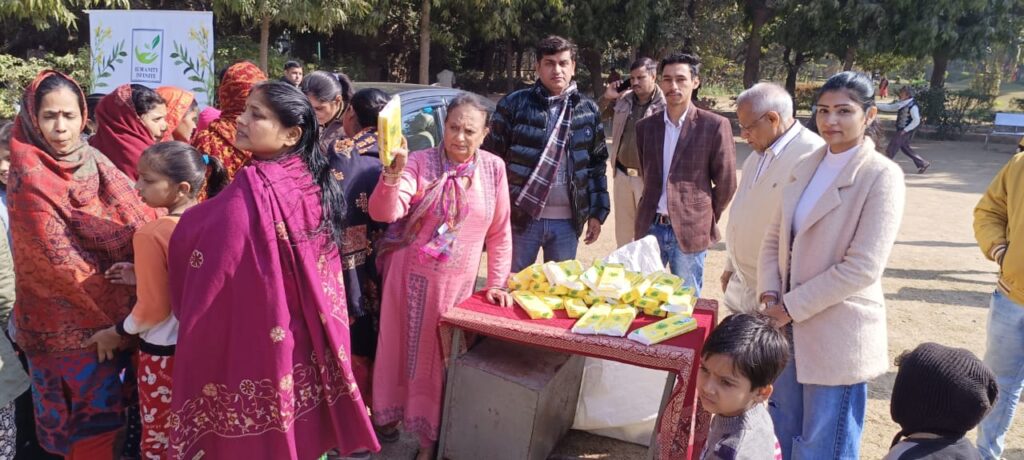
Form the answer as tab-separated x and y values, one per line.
670	383
448	385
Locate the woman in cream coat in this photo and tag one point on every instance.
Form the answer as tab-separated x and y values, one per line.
820	276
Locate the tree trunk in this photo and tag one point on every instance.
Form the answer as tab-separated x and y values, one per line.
510	65
264	43
691	13
519	64
792	71
425	43
848	59
941	62
488	64
592	59
752	64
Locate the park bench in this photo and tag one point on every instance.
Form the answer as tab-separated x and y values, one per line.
1007	124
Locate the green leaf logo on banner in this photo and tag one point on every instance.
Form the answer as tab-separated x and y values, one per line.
145	58
149	52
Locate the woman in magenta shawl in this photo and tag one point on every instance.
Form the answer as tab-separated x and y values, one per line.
264	369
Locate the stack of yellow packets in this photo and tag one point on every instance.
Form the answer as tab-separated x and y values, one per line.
622	294
663	330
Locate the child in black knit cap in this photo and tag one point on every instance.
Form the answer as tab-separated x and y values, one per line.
940	394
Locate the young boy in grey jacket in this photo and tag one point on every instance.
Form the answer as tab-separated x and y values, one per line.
740	361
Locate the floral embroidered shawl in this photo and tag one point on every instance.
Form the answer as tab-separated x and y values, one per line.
72	217
262	367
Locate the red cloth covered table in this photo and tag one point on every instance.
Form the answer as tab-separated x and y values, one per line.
683	425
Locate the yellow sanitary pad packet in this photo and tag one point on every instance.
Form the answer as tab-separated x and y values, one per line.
663	330
591	276
681	302
529	274
572	267
554	302
651	307
533	305
663	286
587	323
637	292
516	285
575	308
618	321
613	283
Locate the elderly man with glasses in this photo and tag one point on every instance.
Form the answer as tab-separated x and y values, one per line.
765	113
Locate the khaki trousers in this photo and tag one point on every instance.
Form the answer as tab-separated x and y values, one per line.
626	197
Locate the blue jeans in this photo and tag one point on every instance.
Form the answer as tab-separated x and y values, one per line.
687	265
556	236
816	421
1005	356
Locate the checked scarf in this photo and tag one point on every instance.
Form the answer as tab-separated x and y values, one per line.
535	192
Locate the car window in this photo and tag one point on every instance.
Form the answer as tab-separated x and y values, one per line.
422	128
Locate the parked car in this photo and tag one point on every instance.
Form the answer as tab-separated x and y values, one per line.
423	110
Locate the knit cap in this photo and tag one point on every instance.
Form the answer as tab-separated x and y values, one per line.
941	390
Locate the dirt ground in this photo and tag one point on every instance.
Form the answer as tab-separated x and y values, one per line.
937	287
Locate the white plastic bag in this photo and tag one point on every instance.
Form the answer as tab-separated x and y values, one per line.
620	400
642	256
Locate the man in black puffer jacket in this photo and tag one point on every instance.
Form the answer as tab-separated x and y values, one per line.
553	144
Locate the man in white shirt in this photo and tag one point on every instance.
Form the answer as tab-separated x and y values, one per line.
688	159
765	113
908	118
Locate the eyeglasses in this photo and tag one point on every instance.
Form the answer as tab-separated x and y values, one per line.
751	126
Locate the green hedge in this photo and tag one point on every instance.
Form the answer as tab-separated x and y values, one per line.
16	74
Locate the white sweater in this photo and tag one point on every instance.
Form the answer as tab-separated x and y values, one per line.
826	174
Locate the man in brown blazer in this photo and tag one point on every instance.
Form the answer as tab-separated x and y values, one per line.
689	163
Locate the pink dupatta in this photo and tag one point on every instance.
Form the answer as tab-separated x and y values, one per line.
262	364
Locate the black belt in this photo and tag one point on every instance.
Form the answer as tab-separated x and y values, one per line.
632	172
661	219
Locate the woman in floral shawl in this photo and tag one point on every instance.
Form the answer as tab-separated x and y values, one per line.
73	215
263	366
218	140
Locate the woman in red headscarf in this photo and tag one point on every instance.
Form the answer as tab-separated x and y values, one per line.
218	140
182	113
128	120
72	215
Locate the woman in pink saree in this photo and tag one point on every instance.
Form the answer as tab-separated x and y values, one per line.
446	204
263	366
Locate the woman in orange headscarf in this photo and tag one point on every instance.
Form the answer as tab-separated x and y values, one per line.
72	215
218	140
182	113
